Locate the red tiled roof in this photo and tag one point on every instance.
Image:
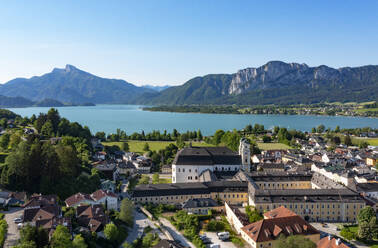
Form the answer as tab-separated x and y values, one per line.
77	198
270	229
278	213
99	194
328	242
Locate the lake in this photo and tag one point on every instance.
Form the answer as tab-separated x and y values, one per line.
132	118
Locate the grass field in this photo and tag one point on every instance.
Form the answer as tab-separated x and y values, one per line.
370	141
272	146
137	146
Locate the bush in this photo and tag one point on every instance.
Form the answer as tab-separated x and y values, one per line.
348	233
237	241
3	231
215	226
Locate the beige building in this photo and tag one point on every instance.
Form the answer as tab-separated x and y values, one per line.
338	205
232	192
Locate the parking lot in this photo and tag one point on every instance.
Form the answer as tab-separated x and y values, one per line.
13	234
215	240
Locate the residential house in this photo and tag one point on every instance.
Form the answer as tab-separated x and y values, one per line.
330	242
108	185
91	217
166	169
199	205
109	199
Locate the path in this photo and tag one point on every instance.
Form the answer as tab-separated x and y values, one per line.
13	234
176	234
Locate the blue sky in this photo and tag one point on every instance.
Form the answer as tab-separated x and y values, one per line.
169	42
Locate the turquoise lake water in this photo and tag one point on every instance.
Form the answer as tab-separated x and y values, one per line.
131	118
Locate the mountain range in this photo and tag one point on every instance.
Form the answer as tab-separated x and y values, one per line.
273	83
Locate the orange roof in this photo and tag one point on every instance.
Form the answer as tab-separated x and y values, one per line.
278	213
328	242
271	229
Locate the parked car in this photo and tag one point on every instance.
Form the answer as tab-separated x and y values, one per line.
214	246
205	239
20	225
223	236
17	220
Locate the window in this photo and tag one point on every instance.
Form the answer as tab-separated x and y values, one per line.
190	170
179	170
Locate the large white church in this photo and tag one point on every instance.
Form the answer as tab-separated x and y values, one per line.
192	164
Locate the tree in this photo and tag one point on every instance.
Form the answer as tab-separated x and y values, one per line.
4	141
79	242
27	244
347	140
155	178
320	128
347	234
111	232
218	137
101	136
126	213
199	135
61	238
365	214
337	129
146	147
313	130
266	139
294	241
125	147
253	214
47	129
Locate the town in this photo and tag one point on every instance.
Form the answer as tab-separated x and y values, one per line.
64	187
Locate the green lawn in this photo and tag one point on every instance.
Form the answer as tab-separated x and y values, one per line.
370	141
137	146
272	146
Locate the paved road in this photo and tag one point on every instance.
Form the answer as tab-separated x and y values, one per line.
331	228
176	234
13	234
140	222
215	240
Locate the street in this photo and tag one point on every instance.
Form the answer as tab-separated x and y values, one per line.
140	222
13	234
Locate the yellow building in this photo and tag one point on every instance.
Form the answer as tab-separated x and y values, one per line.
338	205
232	192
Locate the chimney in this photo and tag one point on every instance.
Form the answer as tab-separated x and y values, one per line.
338	241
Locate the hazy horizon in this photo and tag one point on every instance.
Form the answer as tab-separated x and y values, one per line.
169	42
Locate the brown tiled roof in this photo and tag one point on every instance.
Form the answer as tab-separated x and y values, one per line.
271	229
279	213
328	242
99	194
77	198
41	201
92	216
34	214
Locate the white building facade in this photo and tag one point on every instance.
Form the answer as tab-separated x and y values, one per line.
191	162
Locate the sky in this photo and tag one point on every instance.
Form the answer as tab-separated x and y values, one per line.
163	42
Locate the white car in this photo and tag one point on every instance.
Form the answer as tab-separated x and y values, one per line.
20	225
17	220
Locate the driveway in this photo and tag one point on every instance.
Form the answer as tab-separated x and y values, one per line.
140	222
175	233
215	240
13	234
